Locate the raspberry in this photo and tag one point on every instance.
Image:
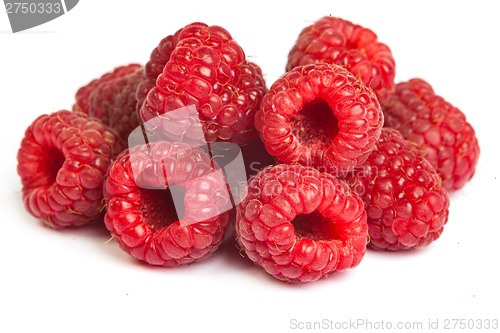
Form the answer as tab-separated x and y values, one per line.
208	69
341	42
447	139
406	204
300	224
112	99
123	117
319	115
84	94
141	214
62	161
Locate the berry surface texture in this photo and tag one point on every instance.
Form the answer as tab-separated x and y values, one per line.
300	224
265	166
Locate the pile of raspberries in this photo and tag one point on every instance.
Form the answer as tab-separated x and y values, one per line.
339	157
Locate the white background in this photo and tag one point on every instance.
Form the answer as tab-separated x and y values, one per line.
76	281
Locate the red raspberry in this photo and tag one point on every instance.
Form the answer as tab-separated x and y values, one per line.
300	224
341	42
112	99
123	117
320	115
141	214
62	161
84	94
406	204
208	69
447	139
